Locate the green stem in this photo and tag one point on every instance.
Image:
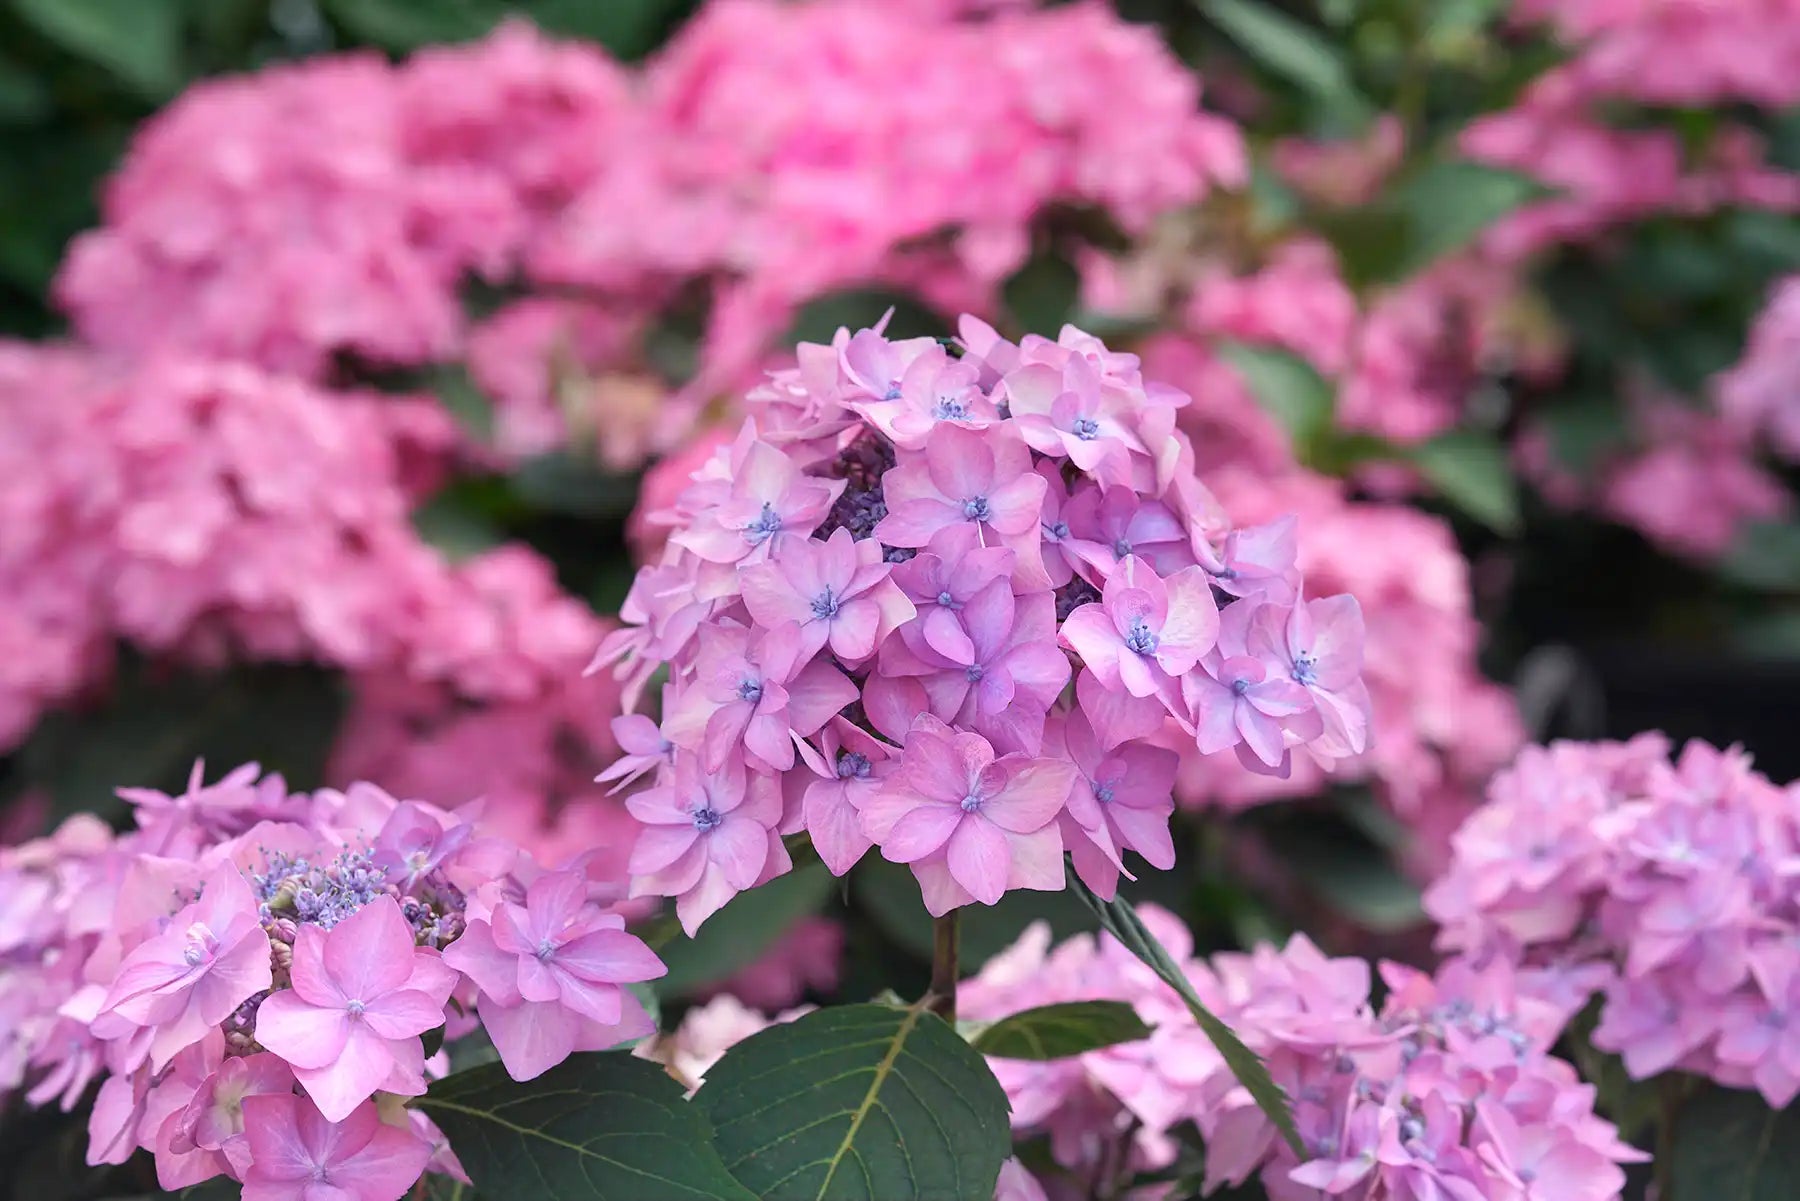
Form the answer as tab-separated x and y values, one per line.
945	950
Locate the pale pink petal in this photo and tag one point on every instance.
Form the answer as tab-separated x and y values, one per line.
980	859
531	1037
920	832
303	1034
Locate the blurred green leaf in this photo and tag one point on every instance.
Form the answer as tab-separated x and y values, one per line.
1450	202
1060	1031
1295	51
890	895
137	40
24	95
1351	875
1286	386
857	309
1766	555
628	28
1470	471
405	25
1041	295
733	938
153	730
49	180
1728	1143
456	527
1583	430
562	482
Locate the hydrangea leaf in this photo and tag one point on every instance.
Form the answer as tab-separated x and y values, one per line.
138	40
733	938
1449	203
1287	387
1303	56
1059	1031
1470	470
859	1101
1119	919
1730	1144
598	1127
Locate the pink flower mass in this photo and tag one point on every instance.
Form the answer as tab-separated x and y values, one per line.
935	542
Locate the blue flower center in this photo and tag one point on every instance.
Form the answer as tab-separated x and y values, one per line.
354	1008
973	802
750	690
766	525
825	605
545	949
1086	428
974	672
948	409
1305	670
705	818
1121	547
1140	638
946	600
1103	792
1058	531
976	508
1240	686
852	766
893	390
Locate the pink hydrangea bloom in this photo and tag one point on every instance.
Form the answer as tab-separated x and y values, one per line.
297	1154
1761	392
250	951
832	595
1666	886
1449	1090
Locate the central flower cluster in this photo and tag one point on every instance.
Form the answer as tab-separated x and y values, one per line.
984	574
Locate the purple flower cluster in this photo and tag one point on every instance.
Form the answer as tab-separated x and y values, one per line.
1671	885
962	602
249	973
1447	1092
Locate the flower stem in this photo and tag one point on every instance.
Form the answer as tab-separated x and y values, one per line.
945	939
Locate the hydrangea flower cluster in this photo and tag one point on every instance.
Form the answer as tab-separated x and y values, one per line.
952	601
249	972
1447	1091
1762	393
1672	882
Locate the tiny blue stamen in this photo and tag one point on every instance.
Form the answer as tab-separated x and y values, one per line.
750	690
1103	792
974	672
946	600
766	526
972	803
1239	687
545	949
852	766
1141	638
705	818
1086	428
1121	547
947	409
1305	670
1058	531
825	605
976	508
354	1008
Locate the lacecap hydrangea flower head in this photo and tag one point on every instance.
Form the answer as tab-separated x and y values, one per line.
959	600
253	976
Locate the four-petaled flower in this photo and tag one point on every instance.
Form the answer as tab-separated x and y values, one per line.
362	994
837	591
1146	632
298	1154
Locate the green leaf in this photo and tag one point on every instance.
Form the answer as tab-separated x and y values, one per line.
1450	202
738	934
1119	919
628	28
1041	295
405	25
1470	470
1059	1031
562	482
598	1127
857	309
1302	55
859	1101
1288	387
1765	555
889	894
1729	1144
137	40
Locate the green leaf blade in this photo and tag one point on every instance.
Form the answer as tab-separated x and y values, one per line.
137	40
1293	50
1062	1030
1471	471
598	1127
1729	1144
1119	919
738	934
1287	387
859	1102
